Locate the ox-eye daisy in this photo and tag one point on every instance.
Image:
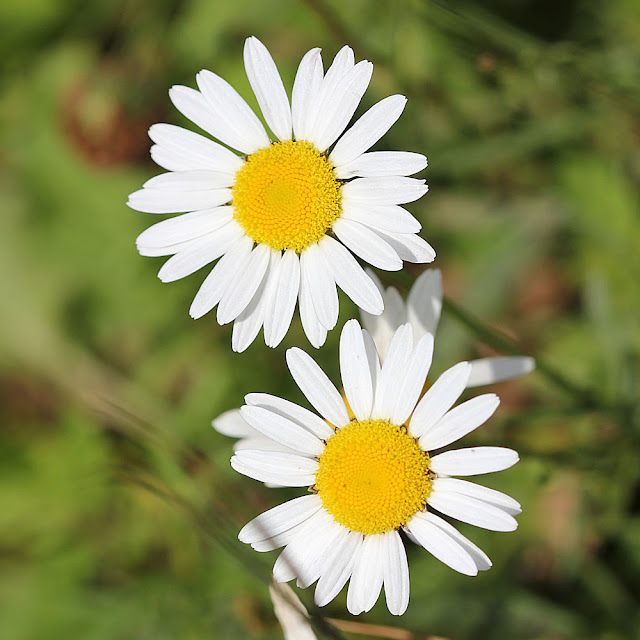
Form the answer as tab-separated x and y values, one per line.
422	311
371	475
285	215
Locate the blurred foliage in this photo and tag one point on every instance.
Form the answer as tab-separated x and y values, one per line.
119	511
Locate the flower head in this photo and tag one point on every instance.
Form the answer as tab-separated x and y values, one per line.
283	216
367	461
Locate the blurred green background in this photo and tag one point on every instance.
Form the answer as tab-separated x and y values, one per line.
119	510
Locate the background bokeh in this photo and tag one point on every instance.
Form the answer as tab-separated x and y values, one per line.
119	511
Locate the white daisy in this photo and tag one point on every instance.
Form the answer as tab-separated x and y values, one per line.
284	216
422	311
371	476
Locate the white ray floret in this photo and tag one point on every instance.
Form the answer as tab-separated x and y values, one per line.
283	209
366	459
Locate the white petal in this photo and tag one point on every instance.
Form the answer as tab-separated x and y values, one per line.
305	418
284	469
190	181
320	285
237	124
372	358
437	542
473	490
166	201
317	387
390	217
217	282
280	519
392	375
335	109
277	324
231	423
424	303
472	511
396	573
473	461
380	163
165	251
314	330
355	371
214	119
490	370
408	246
350	276
200	252
338	568
185	227
267	85
282	430
261	443
366	244
291	614
305	89
386	190
367	130
460	421
479	557
189	150
439	399
413	379
243	286
368	574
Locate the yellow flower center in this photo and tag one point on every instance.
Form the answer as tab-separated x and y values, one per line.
286	195
372	476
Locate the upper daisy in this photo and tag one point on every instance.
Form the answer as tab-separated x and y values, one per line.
284	216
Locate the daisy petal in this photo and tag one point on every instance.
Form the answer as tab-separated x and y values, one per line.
424	303
368	574
305	418
201	252
408	246
438	543
472	511
268	88
386	190
460	421
320	285
375	164
354	370
473	462
277	324
282	430
350	276
217	282
339	565
491	496
168	201
237	124
230	423
305	88
372	358
396	573
245	283
315	331
439	399
190	180
284	469
480	558
389	217
366	244
317	387
280	519
190	150
490	370
367	130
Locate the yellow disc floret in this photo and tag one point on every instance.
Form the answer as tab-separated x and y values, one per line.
372	476
286	195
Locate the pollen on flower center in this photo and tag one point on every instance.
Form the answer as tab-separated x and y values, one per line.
286	195
372	476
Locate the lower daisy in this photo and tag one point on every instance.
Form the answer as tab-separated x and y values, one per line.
370	475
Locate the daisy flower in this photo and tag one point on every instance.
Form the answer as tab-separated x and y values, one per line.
283	215
372	475
422	311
